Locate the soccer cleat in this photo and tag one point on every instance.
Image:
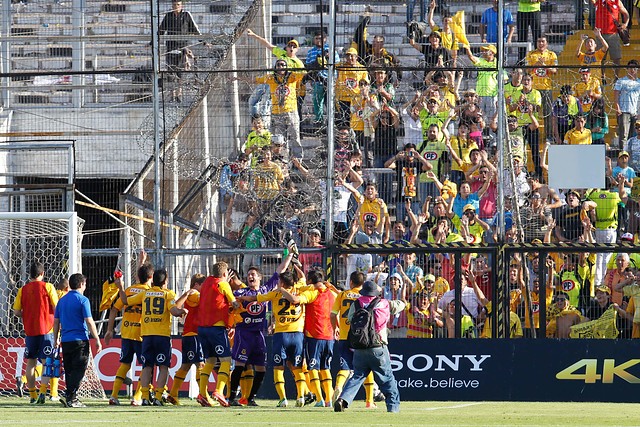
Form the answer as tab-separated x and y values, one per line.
235	402
146	402
309	398
319	404
54	398
340	405
371	405
336	393
252	402
300	402
33	400
19	387
244	401
135	402
220	398
327	404
156	402
76	404
379	397
63	402
41	399
173	400
114	401
282	403
205	401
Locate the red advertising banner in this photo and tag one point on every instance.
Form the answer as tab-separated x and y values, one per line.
12	363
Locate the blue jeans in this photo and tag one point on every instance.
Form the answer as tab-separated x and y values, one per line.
411	5
319	97
376	360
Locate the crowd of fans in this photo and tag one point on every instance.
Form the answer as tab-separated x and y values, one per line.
429	159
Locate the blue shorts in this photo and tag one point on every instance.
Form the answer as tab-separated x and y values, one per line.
318	353
346	355
249	348
191	350
128	348
214	341
156	351
39	347
287	347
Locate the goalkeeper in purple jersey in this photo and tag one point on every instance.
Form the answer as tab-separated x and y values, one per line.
249	347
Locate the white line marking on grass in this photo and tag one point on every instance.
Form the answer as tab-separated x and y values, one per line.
462	405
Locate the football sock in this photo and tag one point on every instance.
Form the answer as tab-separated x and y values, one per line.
301	385
314	385
223	376
53	386
278	382
341	378
121	374
325	383
247	380
236	375
178	379
368	388
257	382
204	378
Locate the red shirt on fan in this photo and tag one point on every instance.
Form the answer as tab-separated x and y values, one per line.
605	17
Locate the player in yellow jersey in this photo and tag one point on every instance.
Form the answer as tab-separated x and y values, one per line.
130	333
288	311
340	321
158	304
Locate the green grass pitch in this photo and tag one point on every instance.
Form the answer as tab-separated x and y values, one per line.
17	412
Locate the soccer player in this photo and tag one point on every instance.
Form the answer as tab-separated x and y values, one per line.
35	304
158	304
217	297
288	308
191	348
340	321
318	336
131	342
249	347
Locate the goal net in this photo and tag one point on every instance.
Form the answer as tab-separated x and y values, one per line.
53	238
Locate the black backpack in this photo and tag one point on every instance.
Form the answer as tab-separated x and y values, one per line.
362	332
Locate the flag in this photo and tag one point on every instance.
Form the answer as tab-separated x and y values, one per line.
604	327
109	295
459	29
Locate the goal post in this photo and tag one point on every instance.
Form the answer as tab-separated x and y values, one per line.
52	238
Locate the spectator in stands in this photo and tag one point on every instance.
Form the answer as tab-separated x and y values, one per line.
410	114
568	225
433	149
430	114
489	25
469	225
561	315
258	137
288	54
535	217
312	260
316	62
434	54
228	174
548	194
527	108
579	135
487	81
518	188
616	275
513	87
238	208
268	179
178	22
423	315
565	110
253	238
469	109
634	148
593	56
547	60
385	145
601	206
630	288
448	37
621	172
280	155
486	172
587	90
396	289
411	5
382	88
375	54
284	106
529	16
459	147
626	93
470	302
373	209
598	122
260	104
408	164
440	233
515	326
365	108
607	12
350	74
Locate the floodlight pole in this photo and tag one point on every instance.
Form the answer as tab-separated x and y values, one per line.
330	120
501	134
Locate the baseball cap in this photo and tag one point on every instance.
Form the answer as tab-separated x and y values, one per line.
584	70
573	192
277	140
294	41
623	153
429	278
351	51
468	206
490	48
369	289
396	276
626	237
604	289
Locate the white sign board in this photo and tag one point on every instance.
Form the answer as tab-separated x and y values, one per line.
576	166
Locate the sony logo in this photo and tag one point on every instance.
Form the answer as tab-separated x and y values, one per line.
439	362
